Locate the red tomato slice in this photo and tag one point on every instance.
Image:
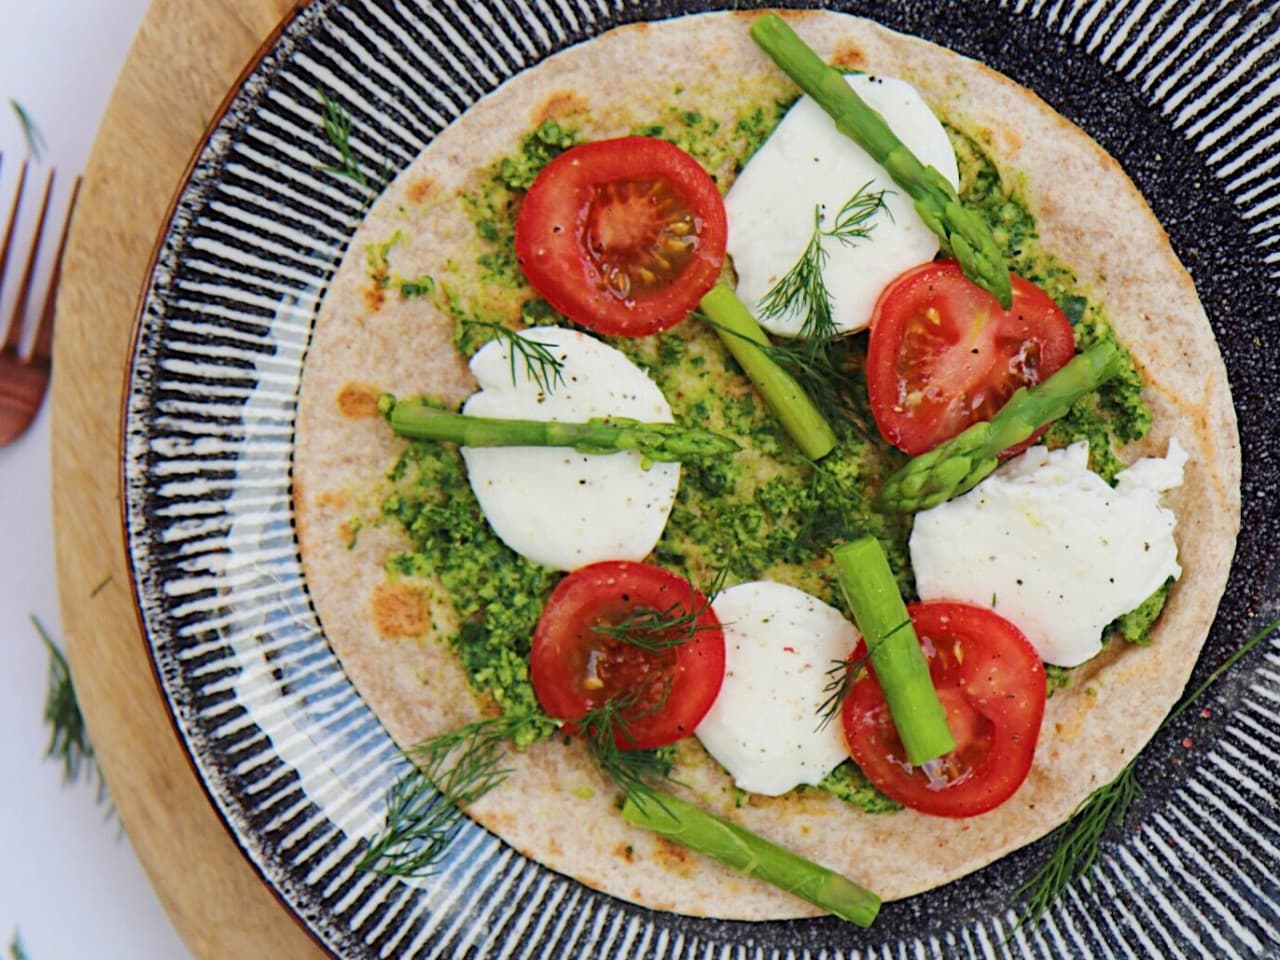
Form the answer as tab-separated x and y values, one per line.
622	236
943	354
666	688
992	684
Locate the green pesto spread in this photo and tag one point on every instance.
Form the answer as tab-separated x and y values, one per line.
1135	626
851	785
764	513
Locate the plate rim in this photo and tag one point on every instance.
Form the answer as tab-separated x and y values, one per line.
213	122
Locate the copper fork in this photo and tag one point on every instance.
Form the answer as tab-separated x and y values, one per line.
24	378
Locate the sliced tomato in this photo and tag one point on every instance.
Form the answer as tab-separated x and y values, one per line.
943	353
991	683
622	236
662	680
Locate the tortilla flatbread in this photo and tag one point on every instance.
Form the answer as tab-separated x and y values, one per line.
556	808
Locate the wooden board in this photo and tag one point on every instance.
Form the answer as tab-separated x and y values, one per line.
186	57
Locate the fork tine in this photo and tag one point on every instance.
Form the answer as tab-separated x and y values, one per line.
9	228
43	348
28	272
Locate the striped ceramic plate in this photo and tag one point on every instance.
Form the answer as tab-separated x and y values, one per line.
1187	96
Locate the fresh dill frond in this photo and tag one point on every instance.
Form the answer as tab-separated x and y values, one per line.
337	130
541	365
637	773
424	807
16	950
842	675
1078	841
819	368
68	739
803	289
650	629
35	139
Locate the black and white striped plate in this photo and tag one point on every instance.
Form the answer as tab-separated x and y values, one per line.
1186	96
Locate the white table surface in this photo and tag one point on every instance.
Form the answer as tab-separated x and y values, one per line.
70	886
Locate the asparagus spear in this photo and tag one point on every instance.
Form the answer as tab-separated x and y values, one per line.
964	234
655	441
958	464
872	594
740	333
753	855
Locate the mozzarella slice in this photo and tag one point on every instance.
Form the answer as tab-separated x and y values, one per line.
552	505
808	163
763	728
1052	547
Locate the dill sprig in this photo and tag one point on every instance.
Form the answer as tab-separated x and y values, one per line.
841	676
35	139
68	738
637	773
803	288
424	807
651	629
1078	841
819	368
541	365
16	950
337	130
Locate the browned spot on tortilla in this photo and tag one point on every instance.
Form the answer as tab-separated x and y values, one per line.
357	401
503	820
849	55
1068	731
1049	208
374	296
421	188
1005	140
791	16
561	104
400	609
672	856
624	851
333	498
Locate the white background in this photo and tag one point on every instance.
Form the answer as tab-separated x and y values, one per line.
70	886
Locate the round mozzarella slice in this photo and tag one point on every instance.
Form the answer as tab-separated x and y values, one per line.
764	726
553	505
1052	547
806	164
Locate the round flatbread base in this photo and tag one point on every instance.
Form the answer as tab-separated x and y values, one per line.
556	808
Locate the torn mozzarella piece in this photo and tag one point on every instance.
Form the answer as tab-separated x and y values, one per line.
1052	547
808	163
763	728
553	505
